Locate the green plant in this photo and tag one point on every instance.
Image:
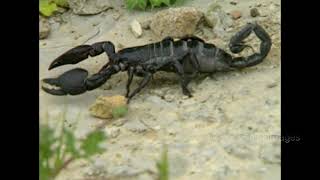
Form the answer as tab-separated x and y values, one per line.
163	165
48	7
119	111
57	152
143	4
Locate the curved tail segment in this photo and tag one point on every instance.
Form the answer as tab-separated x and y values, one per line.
236	45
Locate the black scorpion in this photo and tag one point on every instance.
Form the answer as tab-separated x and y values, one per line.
186	57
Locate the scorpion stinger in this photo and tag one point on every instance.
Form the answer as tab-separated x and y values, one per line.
236	46
185	57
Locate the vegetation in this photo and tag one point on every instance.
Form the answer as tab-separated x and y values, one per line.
163	165
48	7
57	152
143	4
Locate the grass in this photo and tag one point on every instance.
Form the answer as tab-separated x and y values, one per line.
119	111
56	153
163	165
143	4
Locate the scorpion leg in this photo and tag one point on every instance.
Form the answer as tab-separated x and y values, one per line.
82	52
256	58
196	68
184	82
130	77
145	81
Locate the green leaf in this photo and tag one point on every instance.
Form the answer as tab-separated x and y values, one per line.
70	142
163	165
46	140
136	4
47	8
62	3
177	2
90	145
119	111
158	3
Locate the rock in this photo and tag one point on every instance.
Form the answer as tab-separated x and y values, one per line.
89	7
272	84
116	16
120	122
112	132
217	19
176	22
235	14
105	107
234	2
135	28
135	126
169	97
239	150
254	12
145	24
271	154
44	28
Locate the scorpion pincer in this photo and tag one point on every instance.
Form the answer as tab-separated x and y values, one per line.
186	57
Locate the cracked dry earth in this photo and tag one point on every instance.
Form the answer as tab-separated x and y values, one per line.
227	130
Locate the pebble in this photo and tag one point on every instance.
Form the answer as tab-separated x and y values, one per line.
235	14
254	12
234	2
44	29
104	106
136	28
112	132
120	122
240	151
272	85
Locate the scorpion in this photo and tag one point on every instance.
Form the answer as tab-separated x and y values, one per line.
186	57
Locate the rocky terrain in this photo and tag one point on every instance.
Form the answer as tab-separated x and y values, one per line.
230	129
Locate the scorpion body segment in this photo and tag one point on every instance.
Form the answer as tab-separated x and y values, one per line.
186	57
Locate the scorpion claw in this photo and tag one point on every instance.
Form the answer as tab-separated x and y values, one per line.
72	82
72	56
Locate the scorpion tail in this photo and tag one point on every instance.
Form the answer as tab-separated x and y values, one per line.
82	52
236	46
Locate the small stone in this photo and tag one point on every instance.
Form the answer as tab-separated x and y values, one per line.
169	97
135	126
136	28
234	2
254	12
272	85
235	14
116	16
120	46
239	150
112	132
105	106
271	154
120	122
92	7
44	28
145	24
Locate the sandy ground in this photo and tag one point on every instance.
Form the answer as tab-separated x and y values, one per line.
227	130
